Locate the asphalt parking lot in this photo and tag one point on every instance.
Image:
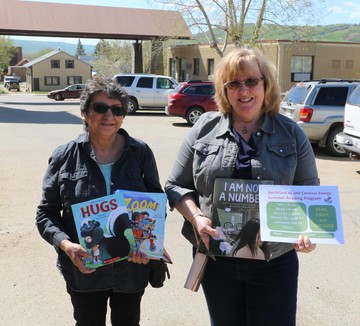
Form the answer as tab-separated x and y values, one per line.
33	292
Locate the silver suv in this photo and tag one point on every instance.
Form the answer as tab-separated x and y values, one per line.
146	91
349	139
318	107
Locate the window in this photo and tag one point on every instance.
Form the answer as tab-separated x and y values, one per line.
336	64
52	80
210	66
55	64
145	82
74	80
125	81
196	71
163	83
301	67
69	64
349	64
332	96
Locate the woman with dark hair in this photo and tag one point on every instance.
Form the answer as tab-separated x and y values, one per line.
248	243
101	160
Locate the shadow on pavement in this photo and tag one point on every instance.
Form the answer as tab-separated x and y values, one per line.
8	115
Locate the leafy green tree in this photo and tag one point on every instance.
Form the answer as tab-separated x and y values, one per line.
113	57
7	51
79	49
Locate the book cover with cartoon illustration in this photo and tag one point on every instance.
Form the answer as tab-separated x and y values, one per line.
104	229
236	218
147	211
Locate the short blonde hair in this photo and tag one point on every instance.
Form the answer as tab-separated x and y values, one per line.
238	61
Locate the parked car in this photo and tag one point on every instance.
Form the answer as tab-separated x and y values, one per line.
146	91
349	139
318	107
191	99
72	91
11	82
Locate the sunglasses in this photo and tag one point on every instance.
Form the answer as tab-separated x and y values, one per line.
236	84
102	108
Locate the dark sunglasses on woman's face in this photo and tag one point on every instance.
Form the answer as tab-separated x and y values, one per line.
102	108
250	82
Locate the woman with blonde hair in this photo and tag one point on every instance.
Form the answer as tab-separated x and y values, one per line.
246	139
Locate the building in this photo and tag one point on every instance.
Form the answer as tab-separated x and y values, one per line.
295	61
55	70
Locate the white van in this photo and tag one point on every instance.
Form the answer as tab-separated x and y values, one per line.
349	139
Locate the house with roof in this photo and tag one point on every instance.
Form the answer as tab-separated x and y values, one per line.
54	70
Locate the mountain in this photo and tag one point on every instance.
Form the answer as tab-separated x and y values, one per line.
29	48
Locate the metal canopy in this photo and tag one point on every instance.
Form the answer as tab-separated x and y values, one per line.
83	21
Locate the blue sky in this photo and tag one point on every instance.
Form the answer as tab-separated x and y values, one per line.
339	12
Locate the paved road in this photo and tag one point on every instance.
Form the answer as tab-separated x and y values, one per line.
33	292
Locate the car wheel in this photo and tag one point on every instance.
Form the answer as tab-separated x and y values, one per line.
58	97
132	106
331	144
193	115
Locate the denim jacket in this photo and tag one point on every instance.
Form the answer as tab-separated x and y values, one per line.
209	151
74	176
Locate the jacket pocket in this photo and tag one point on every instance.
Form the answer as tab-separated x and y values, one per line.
283	161
74	185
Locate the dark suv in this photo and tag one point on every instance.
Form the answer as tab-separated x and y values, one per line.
191	99
318	107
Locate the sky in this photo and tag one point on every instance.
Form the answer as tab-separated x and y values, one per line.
339	12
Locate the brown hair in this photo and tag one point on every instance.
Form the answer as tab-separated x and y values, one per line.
238	61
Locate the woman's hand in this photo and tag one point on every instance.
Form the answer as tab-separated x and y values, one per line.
203	226
77	254
304	244
138	257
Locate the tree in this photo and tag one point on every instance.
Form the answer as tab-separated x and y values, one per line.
113	57
7	51
243	21
79	49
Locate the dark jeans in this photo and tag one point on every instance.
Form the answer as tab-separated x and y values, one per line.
246	292
90	307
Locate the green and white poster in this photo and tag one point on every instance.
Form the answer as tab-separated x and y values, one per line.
288	211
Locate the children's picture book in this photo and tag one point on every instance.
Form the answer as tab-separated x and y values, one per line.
313	211
104	229
111	227
236	218
147	212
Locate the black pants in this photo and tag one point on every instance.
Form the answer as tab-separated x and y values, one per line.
90	307
250	292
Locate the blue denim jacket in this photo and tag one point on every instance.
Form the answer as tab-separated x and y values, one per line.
74	176
209	151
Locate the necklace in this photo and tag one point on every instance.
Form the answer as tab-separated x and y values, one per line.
244	130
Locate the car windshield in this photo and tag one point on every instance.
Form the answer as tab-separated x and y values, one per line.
298	94
354	98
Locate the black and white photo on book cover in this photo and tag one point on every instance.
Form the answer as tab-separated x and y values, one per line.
236	218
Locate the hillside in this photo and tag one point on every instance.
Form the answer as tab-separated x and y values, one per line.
330	33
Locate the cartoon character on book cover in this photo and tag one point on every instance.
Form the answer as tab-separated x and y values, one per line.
236	218
104	230
147	215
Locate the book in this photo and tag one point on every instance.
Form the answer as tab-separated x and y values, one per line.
104	229
147	212
110	227
236	218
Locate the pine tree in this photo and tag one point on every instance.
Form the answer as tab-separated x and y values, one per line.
79	49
